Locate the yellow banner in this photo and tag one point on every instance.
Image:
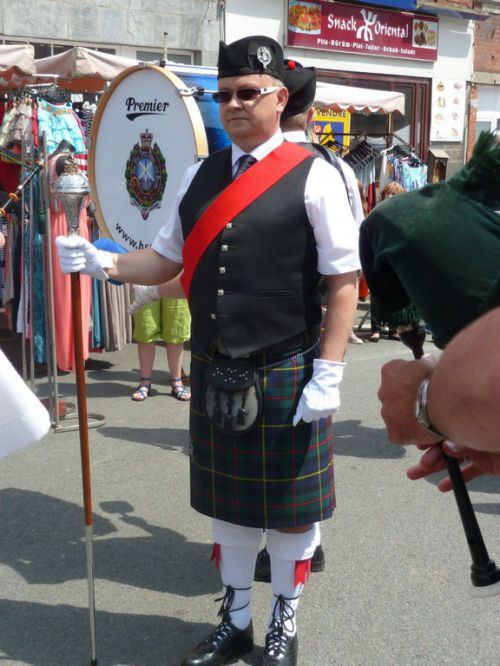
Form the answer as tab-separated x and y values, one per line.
329	126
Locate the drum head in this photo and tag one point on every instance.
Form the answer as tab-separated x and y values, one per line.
144	136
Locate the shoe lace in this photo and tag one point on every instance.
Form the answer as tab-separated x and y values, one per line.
276	639
227	603
220	632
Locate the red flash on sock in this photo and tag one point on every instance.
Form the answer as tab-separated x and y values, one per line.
302	571
215	557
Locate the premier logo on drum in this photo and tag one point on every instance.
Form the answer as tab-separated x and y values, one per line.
146	175
152	108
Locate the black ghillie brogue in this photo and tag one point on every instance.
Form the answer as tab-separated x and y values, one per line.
281	649
225	643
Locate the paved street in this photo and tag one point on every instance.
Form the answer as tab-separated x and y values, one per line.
394	591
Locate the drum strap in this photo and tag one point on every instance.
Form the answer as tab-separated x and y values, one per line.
234	199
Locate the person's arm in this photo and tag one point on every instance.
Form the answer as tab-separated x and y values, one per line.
2	240
464	391
143	267
144	295
77	255
336	236
398	395
340	314
462	403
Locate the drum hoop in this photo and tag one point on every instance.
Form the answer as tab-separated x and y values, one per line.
194	114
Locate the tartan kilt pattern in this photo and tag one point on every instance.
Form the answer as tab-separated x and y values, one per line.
276	475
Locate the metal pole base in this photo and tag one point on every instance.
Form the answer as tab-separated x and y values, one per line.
64	408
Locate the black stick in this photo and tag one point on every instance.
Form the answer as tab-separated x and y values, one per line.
484	571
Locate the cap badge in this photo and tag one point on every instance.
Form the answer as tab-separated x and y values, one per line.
264	55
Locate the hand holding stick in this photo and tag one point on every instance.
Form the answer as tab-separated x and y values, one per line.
485	575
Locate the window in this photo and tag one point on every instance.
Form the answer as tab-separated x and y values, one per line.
150	56
46	49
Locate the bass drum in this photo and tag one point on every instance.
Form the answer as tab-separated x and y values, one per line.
204	79
145	135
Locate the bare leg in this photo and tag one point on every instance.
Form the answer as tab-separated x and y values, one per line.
174	356
146	352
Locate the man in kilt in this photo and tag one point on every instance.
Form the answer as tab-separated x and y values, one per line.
254	226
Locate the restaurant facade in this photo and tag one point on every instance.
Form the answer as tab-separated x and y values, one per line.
425	52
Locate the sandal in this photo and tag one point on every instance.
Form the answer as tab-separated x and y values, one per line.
143	391
374	337
179	391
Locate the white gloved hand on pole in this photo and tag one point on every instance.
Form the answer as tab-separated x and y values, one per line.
320	397
144	295
77	255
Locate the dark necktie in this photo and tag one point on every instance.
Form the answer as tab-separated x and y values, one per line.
244	163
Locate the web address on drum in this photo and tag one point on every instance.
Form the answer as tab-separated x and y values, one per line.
137	245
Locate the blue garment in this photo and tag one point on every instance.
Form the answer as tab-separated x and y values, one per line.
59	122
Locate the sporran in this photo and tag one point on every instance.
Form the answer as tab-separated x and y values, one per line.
233	397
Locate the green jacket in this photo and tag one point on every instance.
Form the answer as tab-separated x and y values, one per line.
435	253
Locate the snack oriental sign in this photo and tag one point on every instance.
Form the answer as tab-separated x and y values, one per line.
365	30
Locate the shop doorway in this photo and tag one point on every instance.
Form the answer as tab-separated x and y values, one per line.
412	128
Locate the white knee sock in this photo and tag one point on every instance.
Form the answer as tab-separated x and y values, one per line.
238	552
285	549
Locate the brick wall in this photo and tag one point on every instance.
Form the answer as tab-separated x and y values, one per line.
486	61
487	46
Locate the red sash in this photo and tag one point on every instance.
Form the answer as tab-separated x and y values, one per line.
234	199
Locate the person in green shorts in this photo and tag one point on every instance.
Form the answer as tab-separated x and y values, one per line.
166	319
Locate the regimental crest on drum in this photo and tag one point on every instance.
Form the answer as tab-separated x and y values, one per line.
146	175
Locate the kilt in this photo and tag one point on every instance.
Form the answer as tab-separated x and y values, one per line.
274	476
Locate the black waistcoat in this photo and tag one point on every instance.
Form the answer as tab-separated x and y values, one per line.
256	284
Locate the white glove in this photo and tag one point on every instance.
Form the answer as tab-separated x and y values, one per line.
77	255
320	397
144	296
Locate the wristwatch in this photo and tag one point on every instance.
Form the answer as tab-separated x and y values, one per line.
421	410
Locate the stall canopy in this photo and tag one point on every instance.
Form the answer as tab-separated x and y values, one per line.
347	98
81	69
16	63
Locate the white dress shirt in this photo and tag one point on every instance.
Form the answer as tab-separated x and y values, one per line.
327	207
298	136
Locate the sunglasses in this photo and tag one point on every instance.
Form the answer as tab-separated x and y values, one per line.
243	94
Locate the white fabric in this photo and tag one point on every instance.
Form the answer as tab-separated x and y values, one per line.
237	568
348	98
327	208
228	534
321	396
298	136
283	583
144	295
239	547
285	549
23	418
77	255
16	63
293	546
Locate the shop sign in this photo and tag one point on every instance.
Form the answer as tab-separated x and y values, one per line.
363	30
406	5
448	110
331	124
